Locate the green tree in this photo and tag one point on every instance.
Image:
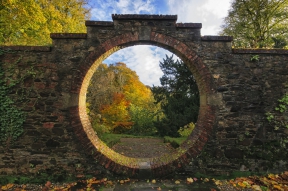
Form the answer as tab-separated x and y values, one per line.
178	97
30	22
257	23
143	119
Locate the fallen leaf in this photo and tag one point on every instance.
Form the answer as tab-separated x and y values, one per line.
247	183
48	184
159	188
206	180
7	186
218	182
189	180
241	184
127	180
177	182
278	187
95	182
256	187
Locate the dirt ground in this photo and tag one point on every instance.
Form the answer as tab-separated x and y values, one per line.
143	147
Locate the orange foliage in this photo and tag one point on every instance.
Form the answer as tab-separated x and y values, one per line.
117	111
112	91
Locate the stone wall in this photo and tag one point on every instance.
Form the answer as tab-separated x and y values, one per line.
243	138
231	134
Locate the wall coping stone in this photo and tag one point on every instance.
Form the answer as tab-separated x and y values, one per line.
68	35
259	51
99	23
143	17
27	48
217	38
189	25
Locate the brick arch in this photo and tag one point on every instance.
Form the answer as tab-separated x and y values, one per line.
159	165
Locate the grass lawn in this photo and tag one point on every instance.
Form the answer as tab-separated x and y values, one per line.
174	141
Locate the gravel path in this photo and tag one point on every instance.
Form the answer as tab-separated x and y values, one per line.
143	147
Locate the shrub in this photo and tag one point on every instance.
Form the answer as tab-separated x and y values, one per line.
186	130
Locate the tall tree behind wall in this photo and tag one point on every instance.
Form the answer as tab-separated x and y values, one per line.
30	22
178	96
257	23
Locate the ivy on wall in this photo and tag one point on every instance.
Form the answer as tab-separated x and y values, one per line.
11	117
281	108
279	118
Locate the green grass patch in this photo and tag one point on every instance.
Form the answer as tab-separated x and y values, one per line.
40	178
175	142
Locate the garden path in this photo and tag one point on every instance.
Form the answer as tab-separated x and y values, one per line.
143	147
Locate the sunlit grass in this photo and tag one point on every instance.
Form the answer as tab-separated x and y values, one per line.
174	141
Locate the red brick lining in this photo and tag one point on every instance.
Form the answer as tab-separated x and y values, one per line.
159	165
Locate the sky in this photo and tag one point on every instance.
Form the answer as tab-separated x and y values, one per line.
145	59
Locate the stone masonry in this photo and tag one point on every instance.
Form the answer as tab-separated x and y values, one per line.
232	132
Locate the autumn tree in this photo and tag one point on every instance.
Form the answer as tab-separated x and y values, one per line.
257	23
178	96
107	84
116	114
30	22
101	89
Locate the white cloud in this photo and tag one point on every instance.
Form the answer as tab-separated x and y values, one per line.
208	12
102	10
144	60
216	8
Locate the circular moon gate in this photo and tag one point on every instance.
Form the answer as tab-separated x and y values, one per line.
165	163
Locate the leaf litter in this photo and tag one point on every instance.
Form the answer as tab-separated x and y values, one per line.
270	182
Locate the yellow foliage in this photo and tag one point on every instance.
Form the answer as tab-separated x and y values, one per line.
31	22
186	130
